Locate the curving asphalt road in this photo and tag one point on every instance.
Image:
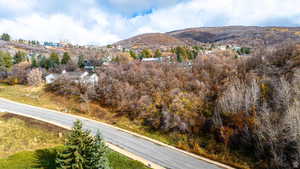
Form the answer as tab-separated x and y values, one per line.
164	156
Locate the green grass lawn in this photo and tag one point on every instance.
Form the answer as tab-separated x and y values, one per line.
24	144
45	159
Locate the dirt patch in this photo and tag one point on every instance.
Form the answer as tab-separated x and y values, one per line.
34	123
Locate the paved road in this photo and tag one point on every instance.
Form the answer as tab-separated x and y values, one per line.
161	155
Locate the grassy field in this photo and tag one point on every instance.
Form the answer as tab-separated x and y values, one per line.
45	159
24	144
19	134
38	97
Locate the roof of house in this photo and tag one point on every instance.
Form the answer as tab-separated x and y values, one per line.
53	74
151	59
73	74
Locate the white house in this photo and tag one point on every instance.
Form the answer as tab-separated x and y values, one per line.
119	47
208	52
90	79
236	47
94	78
84	75
77	77
151	59
222	47
51	78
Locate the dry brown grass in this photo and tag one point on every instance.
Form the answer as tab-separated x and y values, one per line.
20	134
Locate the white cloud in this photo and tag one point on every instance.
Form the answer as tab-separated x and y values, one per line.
17	5
55	28
102	26
225	12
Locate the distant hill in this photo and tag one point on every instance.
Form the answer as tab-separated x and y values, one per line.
240	35
251	36
151	41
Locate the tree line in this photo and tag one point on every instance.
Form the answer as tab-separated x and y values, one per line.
7	61
182	53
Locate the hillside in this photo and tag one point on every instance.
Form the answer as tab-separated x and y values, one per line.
151	41
240	35
251	36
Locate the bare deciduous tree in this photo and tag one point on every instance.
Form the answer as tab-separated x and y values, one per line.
34	77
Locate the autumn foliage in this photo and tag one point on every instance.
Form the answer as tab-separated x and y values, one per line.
249	104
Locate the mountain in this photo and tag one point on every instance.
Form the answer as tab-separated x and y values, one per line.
251	36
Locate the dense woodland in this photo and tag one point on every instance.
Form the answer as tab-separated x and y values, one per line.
250	104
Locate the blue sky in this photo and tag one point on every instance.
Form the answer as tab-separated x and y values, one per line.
107	21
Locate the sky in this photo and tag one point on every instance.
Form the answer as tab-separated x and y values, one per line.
103	22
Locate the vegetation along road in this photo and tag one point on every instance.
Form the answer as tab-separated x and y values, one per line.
164	156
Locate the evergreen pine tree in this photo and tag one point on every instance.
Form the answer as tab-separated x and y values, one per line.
2	64
157	54
181	54
195	54
66	58
19	57
54	59
133	54
80	61
179	58
42	61
99	158
34	62
146	53
83	151
5	60
48	64
5	37
72	157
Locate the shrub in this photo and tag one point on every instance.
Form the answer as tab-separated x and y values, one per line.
19	72
5	61
34	77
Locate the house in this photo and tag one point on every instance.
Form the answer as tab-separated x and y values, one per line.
89	66
52	44
152	59
206	52
77	77
31	55
90	79
51	78
236	48
94	78
83	77
106	60
222	47
119	47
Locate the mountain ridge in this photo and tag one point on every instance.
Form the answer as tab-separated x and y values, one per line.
251	36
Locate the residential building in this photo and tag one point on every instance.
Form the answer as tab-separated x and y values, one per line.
77	77
152	59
